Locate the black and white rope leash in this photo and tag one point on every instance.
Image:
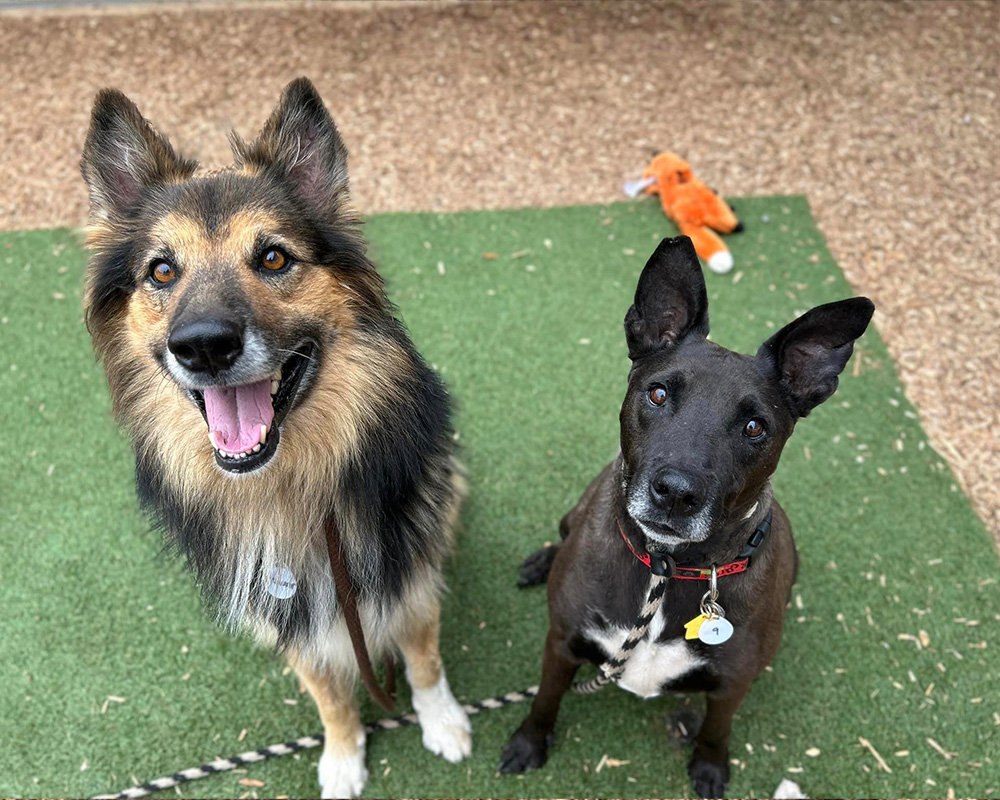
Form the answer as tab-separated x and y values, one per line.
608	672
296	746
611	670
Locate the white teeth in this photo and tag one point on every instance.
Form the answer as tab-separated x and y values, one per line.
263	434
277	374
256	448
274	386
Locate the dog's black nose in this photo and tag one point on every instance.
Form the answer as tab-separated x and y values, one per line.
207	344
677	493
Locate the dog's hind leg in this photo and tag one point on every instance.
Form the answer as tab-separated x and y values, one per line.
443	722
342	770
536	567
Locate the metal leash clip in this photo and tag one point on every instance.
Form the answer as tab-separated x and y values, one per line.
716	629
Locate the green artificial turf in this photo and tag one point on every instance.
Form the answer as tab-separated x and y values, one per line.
531	344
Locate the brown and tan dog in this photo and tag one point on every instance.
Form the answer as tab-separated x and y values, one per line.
269	389
702	429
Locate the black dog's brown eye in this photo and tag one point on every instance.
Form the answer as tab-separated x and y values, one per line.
274	259
163	272
754	429
657	395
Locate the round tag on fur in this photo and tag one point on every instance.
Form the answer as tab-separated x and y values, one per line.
715	631
282	583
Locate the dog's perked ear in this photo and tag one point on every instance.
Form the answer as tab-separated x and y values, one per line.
123	155
807	355
670	301
301	145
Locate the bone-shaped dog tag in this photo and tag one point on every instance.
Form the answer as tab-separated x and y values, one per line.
715	631
691	628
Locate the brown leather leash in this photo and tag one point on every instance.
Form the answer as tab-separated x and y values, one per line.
348	603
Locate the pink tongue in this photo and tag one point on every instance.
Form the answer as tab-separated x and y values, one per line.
236	414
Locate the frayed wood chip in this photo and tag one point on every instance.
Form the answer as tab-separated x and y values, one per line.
935	746
609	762
878	758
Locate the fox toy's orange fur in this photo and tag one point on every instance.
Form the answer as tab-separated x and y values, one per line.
694	208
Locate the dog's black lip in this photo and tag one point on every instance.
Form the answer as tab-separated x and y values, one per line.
254	460
294	372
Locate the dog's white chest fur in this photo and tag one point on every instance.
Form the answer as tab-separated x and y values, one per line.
651	664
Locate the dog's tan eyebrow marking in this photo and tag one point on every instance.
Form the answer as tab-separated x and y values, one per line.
178	230
182	236
245	230
192	242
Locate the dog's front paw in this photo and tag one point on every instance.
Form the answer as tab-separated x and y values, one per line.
524	751
708	778
445	725
342	776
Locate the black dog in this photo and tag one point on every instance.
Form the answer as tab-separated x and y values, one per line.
702	429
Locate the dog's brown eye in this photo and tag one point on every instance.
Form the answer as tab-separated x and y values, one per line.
657	395
754	429
163	272
274	259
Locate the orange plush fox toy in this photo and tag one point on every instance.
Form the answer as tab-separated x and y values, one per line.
693	207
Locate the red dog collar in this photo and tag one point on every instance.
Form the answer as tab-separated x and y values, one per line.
741	564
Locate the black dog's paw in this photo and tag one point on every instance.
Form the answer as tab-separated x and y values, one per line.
536	567
524	752
708	778
683	725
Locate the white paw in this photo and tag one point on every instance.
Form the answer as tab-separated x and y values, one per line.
721	262
342	776
446	729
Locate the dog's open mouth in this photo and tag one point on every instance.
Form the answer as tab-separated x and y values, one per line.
244	422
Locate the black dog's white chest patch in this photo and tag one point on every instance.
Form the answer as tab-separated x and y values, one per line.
652	664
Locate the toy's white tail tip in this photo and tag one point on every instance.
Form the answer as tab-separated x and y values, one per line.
721	262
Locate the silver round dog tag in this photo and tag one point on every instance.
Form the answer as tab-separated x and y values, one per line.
282	583
715	631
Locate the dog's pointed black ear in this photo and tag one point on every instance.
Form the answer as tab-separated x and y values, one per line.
670	300
123	155
807	355
301	142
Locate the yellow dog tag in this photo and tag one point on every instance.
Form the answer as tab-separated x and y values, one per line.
691	628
